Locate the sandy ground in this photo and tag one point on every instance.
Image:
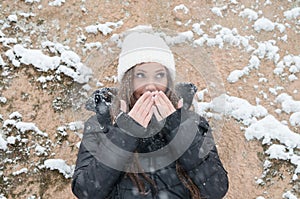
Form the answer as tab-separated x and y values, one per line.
242	159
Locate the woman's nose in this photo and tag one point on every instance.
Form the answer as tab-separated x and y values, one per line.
150	87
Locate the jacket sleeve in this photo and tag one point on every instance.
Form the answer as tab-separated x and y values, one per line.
93	176
201	160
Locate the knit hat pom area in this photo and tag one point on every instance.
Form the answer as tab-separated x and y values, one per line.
139	48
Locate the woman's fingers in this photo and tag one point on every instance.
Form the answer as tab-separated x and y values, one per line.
156	113
142	110
166	100
148	117
146	106
139	103
146	111
164	105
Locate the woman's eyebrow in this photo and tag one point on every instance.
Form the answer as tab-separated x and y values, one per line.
141	70
160	70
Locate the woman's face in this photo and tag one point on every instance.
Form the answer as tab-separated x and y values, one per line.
149	77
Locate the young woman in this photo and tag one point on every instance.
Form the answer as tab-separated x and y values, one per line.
144	142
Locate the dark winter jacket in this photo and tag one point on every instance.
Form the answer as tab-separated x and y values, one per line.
94	176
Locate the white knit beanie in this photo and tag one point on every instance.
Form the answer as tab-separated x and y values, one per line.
140	47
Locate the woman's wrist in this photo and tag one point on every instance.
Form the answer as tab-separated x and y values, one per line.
130	126
173	120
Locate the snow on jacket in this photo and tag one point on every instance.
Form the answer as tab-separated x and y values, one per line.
94	179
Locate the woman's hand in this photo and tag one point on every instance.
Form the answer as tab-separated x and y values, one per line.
142	110
163	107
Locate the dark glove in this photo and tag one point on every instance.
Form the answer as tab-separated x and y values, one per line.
103	99
186	91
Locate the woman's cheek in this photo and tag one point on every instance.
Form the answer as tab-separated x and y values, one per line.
140	88
138	92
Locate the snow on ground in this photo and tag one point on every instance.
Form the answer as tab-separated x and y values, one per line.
256	120
60	165
105	29
68	63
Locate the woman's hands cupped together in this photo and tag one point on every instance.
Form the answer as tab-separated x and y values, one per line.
150	103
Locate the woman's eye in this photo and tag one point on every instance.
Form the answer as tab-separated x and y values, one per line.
139	75
160	75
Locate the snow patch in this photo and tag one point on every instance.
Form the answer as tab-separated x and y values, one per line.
28	126
295	119
235	107
249	13
218	11
197	28
34	57
289	195
12	18
105	28
39	150
3	100
292	14
57	3
3	142
281	152
268	50
2	63
291	62
235	75
23	170
69	63
263	24
269	129
287	103
181	37
60	165
181	7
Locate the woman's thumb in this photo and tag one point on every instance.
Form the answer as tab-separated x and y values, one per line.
180	103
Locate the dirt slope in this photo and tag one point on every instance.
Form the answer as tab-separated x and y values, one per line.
51	105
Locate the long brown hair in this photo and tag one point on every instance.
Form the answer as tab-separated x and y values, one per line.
125	92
